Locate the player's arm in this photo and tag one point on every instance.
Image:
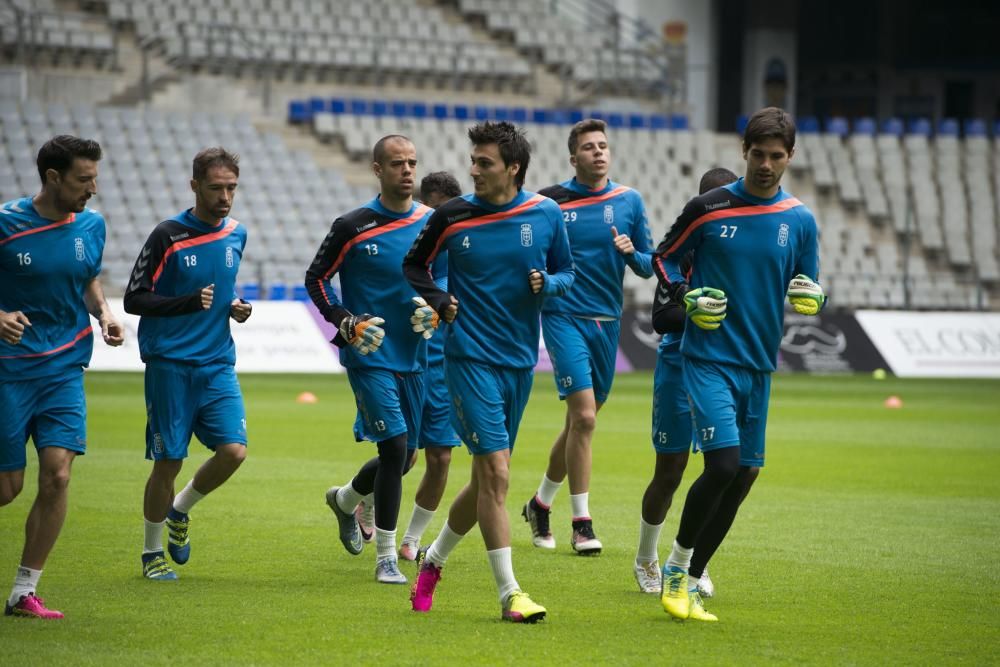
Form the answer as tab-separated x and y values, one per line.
140	294
417	267
804	291
240	309
637	246
93	298
668	313
559	272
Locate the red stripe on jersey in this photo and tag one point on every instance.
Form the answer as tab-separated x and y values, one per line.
199	240
587	201
485	220
76	339
740	212
71	218
375	231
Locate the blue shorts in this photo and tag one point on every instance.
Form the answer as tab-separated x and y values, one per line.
389	404
728	407
182	400
583	353
435	423
52	411
487	403
671	410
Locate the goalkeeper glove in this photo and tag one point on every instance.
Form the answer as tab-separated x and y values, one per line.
806	297
706	306
424	319
363	332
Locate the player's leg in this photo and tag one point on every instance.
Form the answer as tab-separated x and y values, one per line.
429	493
58	428
11	483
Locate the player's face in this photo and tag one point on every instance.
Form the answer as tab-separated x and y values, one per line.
76	186
215	193
397	172
592	159
493	181
766	163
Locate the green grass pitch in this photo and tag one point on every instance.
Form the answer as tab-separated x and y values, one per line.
872	537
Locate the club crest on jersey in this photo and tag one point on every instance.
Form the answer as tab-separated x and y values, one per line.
526	237
783	235
609	214
229	257
78	245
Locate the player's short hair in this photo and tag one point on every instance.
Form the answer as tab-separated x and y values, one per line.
510	140
59	152
378	151
441	182
715	178
216	156
584	126
770	123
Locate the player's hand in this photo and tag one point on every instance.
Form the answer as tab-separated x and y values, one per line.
112	330
450	311
363	332
240	310
12	326
706	306
423	319
806	296
206	296
536	280
623	242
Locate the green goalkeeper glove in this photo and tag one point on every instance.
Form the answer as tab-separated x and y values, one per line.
423	319
806	297
706	306
363	332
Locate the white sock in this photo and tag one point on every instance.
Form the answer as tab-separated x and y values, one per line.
547	490
25	583
154	536
680	557
187	498
581	506
418	524
385	543
649	536
442	547
503	572
348	498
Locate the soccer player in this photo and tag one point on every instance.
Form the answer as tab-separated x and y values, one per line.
437	437
671	429
50	258
188	349
753	244
507	251
383	355
606	224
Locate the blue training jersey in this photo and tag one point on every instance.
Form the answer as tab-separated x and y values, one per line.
45	267
181	256
366	247
750	248
589	216
491	250
435	346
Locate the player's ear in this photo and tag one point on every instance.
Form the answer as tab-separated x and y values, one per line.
194	186
514	168
572	161
52	176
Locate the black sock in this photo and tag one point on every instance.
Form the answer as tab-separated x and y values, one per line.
393	460
719	524
721	467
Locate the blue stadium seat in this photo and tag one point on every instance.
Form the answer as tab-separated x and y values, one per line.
837	125
920	126
575	115
519	115
598	115
636	120
865	125
357	106
298	112
379	107
560	116
318	105
250	291
501	113
541	116
893	126
658	122
278	292
419	110
948	127
742	120
398	109
338	105
679	121
460	112
481	113
803	124
616	120
299	293
440	111
974	127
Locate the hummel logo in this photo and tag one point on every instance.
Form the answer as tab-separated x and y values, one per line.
462	216
663	296
364	227
178	237
721	204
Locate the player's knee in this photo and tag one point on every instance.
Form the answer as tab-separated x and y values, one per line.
438	460
723	465
584	421
233	455
53	483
